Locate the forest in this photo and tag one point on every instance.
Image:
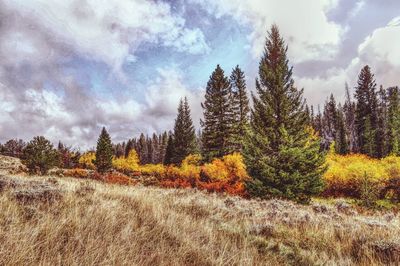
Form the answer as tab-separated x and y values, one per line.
266	144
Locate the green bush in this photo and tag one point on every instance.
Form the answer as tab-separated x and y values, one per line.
39	156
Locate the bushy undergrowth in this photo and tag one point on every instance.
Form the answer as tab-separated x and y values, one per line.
357	175
354	175
226	174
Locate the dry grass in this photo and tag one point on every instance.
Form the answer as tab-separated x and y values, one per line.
47	221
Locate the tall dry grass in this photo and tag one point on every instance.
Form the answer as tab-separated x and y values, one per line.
48	221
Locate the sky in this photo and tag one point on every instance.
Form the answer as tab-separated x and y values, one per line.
70	67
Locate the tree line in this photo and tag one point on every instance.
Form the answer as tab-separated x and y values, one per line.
369	124
282	140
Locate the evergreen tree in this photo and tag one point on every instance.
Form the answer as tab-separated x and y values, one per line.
341	144
381	136
393	125
366	115
184	133
39	155
282	153
143	149
150	150
317	124
129	146
156	149
329	122
118	150
169	152
239	107
216	134
349	115
104	152
163	146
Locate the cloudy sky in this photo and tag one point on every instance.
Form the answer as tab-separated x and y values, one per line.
69	67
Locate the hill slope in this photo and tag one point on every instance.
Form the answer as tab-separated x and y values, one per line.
52	221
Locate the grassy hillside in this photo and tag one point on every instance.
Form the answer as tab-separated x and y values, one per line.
49	221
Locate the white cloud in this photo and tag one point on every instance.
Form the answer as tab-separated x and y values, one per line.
163	96
381	51
304	25
107	31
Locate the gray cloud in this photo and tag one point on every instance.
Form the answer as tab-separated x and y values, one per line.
38	39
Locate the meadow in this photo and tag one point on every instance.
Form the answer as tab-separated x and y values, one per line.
65	221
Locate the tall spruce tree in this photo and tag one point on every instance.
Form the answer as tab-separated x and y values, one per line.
216	134
104	152
169	152
163	146
329	122
349	110
129	146
143	149
341	143
381	135
282	153
184	133
366	115
393	127
240	108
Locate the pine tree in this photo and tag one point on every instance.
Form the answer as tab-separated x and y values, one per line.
366	115
143	149
341	144
169	152
317	124
393	124
329	122
239	107
129	146
216	132
381	136
282	152
184	133
39	156
349	114
104	152
163	146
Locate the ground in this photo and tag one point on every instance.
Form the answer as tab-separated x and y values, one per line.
52	221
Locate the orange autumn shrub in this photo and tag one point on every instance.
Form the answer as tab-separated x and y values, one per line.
227	174
86	160
118	178
77	173
214	171
230	167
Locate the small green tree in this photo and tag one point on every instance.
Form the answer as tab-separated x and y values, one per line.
169	152
104	152
39	156
184	133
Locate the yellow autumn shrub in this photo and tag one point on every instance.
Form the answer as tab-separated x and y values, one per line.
152	169
346	173
236	166
128	164
216	170
86	160
190	167
231	166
